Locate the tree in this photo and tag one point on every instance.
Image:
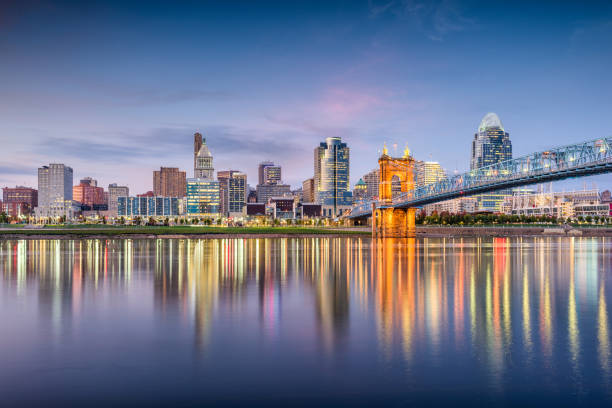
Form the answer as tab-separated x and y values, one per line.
4	219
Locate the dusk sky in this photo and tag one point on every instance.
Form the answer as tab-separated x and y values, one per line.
116	89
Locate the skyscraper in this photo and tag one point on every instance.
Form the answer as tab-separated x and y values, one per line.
331	165
372	180
491	145
233	190
428	172
203	160
169	182
308	190
203	197
55	192
261	171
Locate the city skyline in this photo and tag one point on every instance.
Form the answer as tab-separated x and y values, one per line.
423	78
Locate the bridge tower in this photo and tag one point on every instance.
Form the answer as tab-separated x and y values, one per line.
389	222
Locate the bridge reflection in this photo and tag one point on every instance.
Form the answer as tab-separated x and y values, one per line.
534	299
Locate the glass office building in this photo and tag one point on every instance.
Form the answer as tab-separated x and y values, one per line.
491	145
203	197
148	206
332	186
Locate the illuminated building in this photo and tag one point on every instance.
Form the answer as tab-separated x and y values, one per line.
169	182
232	191
491	145
331	165
148	206
203	197
428	172
267	191
19	201
560	204
55	192
114	192
89	195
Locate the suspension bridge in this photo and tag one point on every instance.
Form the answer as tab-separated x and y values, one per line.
394	215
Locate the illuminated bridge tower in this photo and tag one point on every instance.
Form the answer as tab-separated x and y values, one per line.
389	222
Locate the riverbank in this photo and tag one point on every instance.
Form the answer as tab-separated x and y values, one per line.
199	232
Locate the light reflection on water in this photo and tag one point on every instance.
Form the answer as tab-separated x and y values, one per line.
520	320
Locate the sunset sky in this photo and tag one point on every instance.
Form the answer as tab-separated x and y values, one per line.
117	89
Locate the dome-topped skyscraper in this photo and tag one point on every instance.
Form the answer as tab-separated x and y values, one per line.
491	145
203	159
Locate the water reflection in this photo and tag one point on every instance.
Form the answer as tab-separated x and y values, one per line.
504	306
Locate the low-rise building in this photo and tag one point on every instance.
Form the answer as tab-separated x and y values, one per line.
148	206
19	201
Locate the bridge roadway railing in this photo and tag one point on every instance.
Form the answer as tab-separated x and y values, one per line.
559	162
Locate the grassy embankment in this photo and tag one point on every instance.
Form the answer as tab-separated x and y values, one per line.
106	230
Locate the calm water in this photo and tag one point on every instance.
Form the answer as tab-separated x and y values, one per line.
346	321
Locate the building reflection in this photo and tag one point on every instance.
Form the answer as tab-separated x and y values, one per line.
479	297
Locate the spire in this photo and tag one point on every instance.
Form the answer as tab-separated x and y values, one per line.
385	150
406	152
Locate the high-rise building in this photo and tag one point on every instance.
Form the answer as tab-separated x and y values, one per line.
372	180
360	191
491	145
19	201
55	192
148	206
169	182
428	172
203	160
232	191
272	174
203	195
261	171
89	195
308	189
332	186
114	192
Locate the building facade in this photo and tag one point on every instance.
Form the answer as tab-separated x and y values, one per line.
113	193
560	204
491	145
203	160
169	182
19	201
428	172
89	195
308	190
332	160
203	197
267	191
360	191
372	181
232	192
55	192
148	206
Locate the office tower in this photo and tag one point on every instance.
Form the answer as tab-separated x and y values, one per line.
332	174
19	201
267	191
55	192
203	197
169	182
114	192
233	192
372	180
308	190
491	145
272	174
260	170
89	194
203	160
428	172
360	192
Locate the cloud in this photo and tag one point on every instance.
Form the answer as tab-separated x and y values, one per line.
16	169
435	18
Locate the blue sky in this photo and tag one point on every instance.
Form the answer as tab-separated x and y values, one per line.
117	89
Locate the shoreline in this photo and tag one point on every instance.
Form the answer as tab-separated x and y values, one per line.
253	233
